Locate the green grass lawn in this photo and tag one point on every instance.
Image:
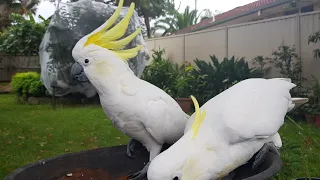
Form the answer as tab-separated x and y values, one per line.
29	133
301	151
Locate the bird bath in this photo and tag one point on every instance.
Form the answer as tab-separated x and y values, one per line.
112	163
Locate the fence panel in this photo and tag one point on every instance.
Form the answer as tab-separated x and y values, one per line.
309	24
174	47
9	65
202	45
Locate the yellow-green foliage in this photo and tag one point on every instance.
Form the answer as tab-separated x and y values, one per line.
27	84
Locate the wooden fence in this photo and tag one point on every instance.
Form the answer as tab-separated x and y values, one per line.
9	65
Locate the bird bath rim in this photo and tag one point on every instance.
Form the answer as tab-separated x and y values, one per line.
115	161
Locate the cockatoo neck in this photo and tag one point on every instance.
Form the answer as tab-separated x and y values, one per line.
165	165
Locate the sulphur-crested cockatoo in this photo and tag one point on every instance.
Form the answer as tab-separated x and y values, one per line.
227	131
139	109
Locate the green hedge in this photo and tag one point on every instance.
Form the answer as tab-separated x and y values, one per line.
28	84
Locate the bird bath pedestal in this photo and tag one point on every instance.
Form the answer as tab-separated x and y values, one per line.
112	163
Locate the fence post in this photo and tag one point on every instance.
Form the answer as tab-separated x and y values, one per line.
226	42
184	49
298	40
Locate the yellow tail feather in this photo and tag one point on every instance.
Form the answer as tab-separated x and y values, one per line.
199	117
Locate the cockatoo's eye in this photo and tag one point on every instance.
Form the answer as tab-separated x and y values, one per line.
177	175
86	62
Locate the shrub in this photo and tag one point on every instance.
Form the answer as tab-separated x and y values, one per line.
28	84
212	78
161	72
204	82
185	81
315	38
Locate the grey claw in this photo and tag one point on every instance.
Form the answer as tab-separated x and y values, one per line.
130	148
141	175
262	155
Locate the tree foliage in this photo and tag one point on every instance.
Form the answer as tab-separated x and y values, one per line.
7	7
23	37
148	9
177	21
151	9
315	38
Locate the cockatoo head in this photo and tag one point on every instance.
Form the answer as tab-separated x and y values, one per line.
185	159
101	51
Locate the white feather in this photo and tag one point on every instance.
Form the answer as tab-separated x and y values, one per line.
137	108
239	121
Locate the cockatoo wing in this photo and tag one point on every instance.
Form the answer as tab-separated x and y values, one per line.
164	116
159	113
253	108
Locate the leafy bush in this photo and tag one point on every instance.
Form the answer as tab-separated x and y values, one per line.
204	81
174	79
214	77
289	65
185	81
161	72
23	37
313	105
260	63
287	61
314	38
28	84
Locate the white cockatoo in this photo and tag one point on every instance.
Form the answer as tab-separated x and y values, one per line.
137	108
227	131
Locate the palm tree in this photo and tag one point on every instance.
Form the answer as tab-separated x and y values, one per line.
177	21
15	6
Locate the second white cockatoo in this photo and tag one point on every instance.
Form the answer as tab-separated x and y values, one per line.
137	108
227	131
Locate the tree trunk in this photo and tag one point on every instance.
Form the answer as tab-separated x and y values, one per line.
126	3
147	22
4	16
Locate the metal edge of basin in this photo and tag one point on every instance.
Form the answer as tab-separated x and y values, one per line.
113	159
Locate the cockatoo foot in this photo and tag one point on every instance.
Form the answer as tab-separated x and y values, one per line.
261	156
130	148
229	176
141	175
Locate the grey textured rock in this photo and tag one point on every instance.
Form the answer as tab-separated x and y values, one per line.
70	23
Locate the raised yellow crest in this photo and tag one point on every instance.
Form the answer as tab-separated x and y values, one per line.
109	38
199	117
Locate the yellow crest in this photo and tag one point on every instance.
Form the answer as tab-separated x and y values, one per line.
199	117
109	39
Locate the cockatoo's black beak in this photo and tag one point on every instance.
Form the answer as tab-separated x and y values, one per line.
78	74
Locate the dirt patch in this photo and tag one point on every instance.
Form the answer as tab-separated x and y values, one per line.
91	174
5	88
